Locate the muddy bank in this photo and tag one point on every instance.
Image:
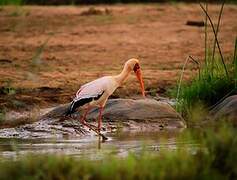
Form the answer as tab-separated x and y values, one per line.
83	48
119	114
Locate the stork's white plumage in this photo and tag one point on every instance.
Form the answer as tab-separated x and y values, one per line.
97	92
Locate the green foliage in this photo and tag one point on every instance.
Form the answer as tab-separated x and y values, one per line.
2	115
235	62
10	93
11	2
7	89
216	78
215	159
208	88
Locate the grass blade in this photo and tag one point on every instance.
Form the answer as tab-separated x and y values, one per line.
217	30
206	33
235	63
217	42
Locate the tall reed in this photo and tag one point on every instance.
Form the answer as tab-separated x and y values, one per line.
216	77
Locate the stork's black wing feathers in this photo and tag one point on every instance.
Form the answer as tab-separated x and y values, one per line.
75	104
80	102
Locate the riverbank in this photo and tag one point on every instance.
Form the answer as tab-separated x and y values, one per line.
48	52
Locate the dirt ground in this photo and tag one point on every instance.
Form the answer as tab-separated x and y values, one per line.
46	53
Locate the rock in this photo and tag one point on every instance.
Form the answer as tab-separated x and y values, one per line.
138	115
227	109
123	110
141	110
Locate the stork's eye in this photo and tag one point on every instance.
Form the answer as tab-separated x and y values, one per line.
136	67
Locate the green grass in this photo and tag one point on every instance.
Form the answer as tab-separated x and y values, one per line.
11	2
216	77
2	115
208	88
214	159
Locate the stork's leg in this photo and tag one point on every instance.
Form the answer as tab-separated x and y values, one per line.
100	118
82	120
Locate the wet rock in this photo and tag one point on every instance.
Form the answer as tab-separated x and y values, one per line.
141	110
227	109
127	114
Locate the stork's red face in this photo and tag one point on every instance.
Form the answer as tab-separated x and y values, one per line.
138	72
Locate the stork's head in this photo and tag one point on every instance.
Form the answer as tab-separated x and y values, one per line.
134	64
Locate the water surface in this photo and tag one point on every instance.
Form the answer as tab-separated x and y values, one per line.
118	144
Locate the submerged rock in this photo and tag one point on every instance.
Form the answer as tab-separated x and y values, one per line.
227	109
128	114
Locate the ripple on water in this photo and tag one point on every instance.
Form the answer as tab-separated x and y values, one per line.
118	144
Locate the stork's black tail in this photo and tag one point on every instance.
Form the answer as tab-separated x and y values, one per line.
77	103
70	109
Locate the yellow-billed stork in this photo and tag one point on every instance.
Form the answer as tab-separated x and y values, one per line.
97	92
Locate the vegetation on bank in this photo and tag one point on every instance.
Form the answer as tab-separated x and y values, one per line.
216	78
214	159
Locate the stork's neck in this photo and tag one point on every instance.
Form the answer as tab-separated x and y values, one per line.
123	75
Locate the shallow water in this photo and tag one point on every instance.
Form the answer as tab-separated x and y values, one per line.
118	144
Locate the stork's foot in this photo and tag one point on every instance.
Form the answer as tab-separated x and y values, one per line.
93	127
104	138
99	129
90	126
